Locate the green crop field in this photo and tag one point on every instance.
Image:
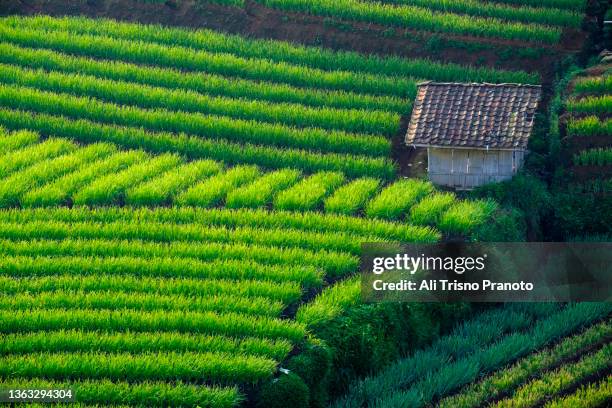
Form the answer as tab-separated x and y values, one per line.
100	175
542	23
182	211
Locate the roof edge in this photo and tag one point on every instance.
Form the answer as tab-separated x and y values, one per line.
523	149
507	84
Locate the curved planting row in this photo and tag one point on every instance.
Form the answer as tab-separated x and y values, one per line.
61	173
484	21
99	295
207	95
314	57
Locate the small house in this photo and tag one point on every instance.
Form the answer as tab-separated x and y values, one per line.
474	133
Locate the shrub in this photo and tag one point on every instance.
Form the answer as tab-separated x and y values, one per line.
288	390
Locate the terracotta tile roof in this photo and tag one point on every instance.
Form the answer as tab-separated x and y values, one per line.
473	115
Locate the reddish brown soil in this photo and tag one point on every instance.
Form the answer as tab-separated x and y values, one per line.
258	21
583	173
595	70
578	143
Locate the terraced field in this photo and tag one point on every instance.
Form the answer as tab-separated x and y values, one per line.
240	102
99	294
182	210
584	182
590	113
56	172
530	355
525	20
495	20
273	163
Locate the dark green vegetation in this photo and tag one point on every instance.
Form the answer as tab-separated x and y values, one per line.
582	185
488	344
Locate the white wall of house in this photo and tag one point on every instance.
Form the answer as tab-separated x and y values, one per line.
469	168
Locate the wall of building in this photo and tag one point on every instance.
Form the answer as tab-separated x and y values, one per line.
468	168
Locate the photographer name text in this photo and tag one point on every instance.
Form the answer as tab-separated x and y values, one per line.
447	285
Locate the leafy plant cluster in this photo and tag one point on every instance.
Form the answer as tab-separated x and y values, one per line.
484	345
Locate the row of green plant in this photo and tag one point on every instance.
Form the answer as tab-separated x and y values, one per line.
202	82
308	193
211	254
145	96
484	345
60	191
187	366
17	184
149	393
522	13
275	291
255	220
24	156
148	53
213	190
164	189
559	380
143	301
418	18
469	368
81	341
314	57
592	396
594	157
123	186
260	192
230	324
193	147
150	231
111	188
591	105
468	337
463	216
505	381
589	126
162	180
352	197
575	5
396	199
16	140
41	258
215	128
594	84
429	210
331	302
